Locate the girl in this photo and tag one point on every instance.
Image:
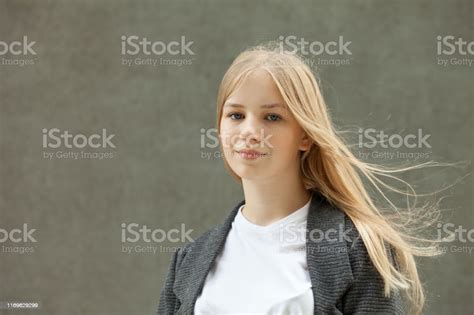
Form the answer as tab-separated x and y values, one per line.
308	238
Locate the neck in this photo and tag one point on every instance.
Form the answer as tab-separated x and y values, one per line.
269	200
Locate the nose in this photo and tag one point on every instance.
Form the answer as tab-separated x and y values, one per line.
251	131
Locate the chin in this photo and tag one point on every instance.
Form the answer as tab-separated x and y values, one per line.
250	173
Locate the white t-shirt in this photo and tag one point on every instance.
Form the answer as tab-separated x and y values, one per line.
261	270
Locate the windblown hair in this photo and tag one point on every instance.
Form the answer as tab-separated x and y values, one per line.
330	168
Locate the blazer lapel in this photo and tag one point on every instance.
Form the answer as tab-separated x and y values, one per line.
326	254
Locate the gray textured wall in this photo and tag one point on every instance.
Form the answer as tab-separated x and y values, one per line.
156	175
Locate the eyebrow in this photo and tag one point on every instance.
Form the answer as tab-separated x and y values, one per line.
272	105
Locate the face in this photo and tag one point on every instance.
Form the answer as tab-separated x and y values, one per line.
260	137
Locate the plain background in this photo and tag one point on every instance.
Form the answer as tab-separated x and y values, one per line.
157	176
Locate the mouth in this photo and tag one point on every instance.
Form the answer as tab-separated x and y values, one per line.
250	154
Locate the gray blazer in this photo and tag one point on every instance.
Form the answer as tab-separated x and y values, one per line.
344	281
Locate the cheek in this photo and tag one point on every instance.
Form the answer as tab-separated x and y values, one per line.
227	125
283	139
226	134
285	144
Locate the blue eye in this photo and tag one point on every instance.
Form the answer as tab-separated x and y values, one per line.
269	117
233	116
273	117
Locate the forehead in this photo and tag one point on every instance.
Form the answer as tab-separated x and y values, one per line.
257	89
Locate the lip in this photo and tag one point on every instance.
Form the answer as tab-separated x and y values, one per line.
250	154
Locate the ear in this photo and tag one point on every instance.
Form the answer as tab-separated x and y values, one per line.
305	143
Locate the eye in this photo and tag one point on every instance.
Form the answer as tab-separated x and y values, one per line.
273	117
235	116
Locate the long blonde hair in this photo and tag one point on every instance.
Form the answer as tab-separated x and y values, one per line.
332	169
